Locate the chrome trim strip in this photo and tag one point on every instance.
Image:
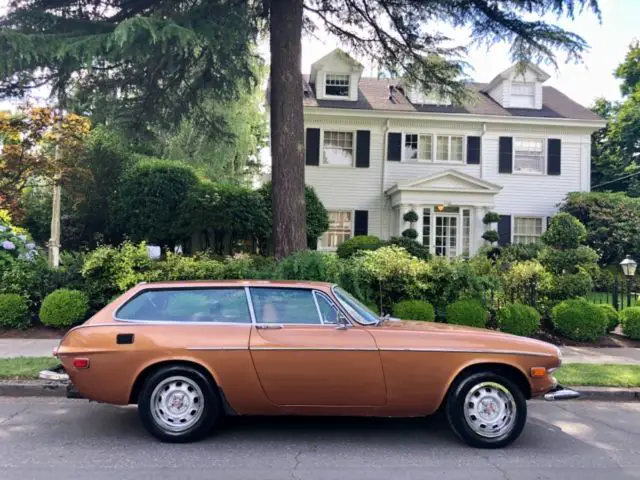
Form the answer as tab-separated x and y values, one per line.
252	312
325	349
315	300
177	322
462	350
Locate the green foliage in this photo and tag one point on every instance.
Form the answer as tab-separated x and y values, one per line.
612	221
150	199
14	245
613	317
491	236
520	252
109	271
526	281
411	216
577	319
467	312
64	308
356	244
491	217
309	265
14	311
410	233
414	247
570	285
564	232
568	261
414	310
630	320
317	217
518	319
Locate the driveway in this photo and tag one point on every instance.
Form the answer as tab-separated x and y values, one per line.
63	439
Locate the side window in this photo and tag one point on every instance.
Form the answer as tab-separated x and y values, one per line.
228	305
328	311
284	305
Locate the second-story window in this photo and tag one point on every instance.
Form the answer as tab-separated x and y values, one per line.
418	147
338	148
449	148
528	155
336	85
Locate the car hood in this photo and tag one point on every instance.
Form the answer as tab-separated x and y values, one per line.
457	337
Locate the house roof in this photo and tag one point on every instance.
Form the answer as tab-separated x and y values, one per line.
373	95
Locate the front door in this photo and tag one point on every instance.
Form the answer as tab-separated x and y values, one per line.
303	358
446	235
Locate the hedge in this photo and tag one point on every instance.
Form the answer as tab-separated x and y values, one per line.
578	319
468	312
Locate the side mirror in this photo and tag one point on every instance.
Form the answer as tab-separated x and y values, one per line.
343	322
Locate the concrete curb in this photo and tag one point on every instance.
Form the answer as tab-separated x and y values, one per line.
44	388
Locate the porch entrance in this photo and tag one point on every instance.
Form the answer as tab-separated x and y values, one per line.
446	234
447	230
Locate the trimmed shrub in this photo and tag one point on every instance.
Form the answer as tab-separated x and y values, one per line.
491	236
14	311
64	308
630	319
468	312
520	252
414	310
415	248
354	245
613	317
564	232
577	319
410	233
518	319
410	216
491	217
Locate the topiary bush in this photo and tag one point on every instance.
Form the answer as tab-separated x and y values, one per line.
350	247
468	312
411	216
491	236
410	233
613	317
64	308
518	319
14	311
630	320
577	319
565	232
414	310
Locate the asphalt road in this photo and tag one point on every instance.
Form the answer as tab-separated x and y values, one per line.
73	439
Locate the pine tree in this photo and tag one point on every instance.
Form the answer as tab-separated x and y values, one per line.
156	54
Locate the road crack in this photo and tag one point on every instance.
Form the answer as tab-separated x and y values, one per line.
14	415
296	459
504	473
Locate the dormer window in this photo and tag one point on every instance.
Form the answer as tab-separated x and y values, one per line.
336	85
523	94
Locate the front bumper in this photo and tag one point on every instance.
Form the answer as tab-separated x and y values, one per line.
558	392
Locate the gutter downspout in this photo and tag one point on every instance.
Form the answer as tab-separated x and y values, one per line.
385	132
484	130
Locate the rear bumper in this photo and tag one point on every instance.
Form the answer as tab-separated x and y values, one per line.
58	375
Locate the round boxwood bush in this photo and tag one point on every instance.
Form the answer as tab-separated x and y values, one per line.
64	308
14	311
577	319
518	319
356	244
414	310
411	233
630	320
468	312
613	317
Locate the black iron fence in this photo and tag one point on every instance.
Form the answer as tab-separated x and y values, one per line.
620	292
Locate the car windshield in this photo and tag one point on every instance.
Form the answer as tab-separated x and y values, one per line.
356	309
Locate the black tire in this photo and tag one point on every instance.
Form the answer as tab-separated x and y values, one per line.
456	404
210	405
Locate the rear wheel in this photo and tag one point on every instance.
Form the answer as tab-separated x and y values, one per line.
486	410
178	404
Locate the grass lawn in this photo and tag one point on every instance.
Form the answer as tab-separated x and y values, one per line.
24	367
594	375
603	297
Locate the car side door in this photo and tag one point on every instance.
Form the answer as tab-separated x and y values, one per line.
304	356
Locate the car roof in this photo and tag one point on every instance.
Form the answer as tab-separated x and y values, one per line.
237	283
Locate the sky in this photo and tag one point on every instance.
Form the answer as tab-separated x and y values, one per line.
583	82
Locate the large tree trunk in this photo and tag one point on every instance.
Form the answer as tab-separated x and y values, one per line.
287	128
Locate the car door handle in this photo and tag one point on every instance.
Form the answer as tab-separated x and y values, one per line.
268	326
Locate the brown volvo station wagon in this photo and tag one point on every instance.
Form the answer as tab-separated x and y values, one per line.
187	353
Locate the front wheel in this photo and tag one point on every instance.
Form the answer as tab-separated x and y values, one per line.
486	410
178	404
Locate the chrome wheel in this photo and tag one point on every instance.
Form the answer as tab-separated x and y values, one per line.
490	410
177	403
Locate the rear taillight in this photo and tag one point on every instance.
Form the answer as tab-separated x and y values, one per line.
80	363
55	351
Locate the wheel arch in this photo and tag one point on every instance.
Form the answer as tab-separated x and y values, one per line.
512	372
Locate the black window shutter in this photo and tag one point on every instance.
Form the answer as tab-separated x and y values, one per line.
504	230
473	150
363	147
361	223
312	153
394	147
505	157
553	156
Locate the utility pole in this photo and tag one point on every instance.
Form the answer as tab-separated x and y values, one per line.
54	241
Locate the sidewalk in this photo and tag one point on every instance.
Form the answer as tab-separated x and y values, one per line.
20	347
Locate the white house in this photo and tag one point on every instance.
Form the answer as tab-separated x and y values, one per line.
376	150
